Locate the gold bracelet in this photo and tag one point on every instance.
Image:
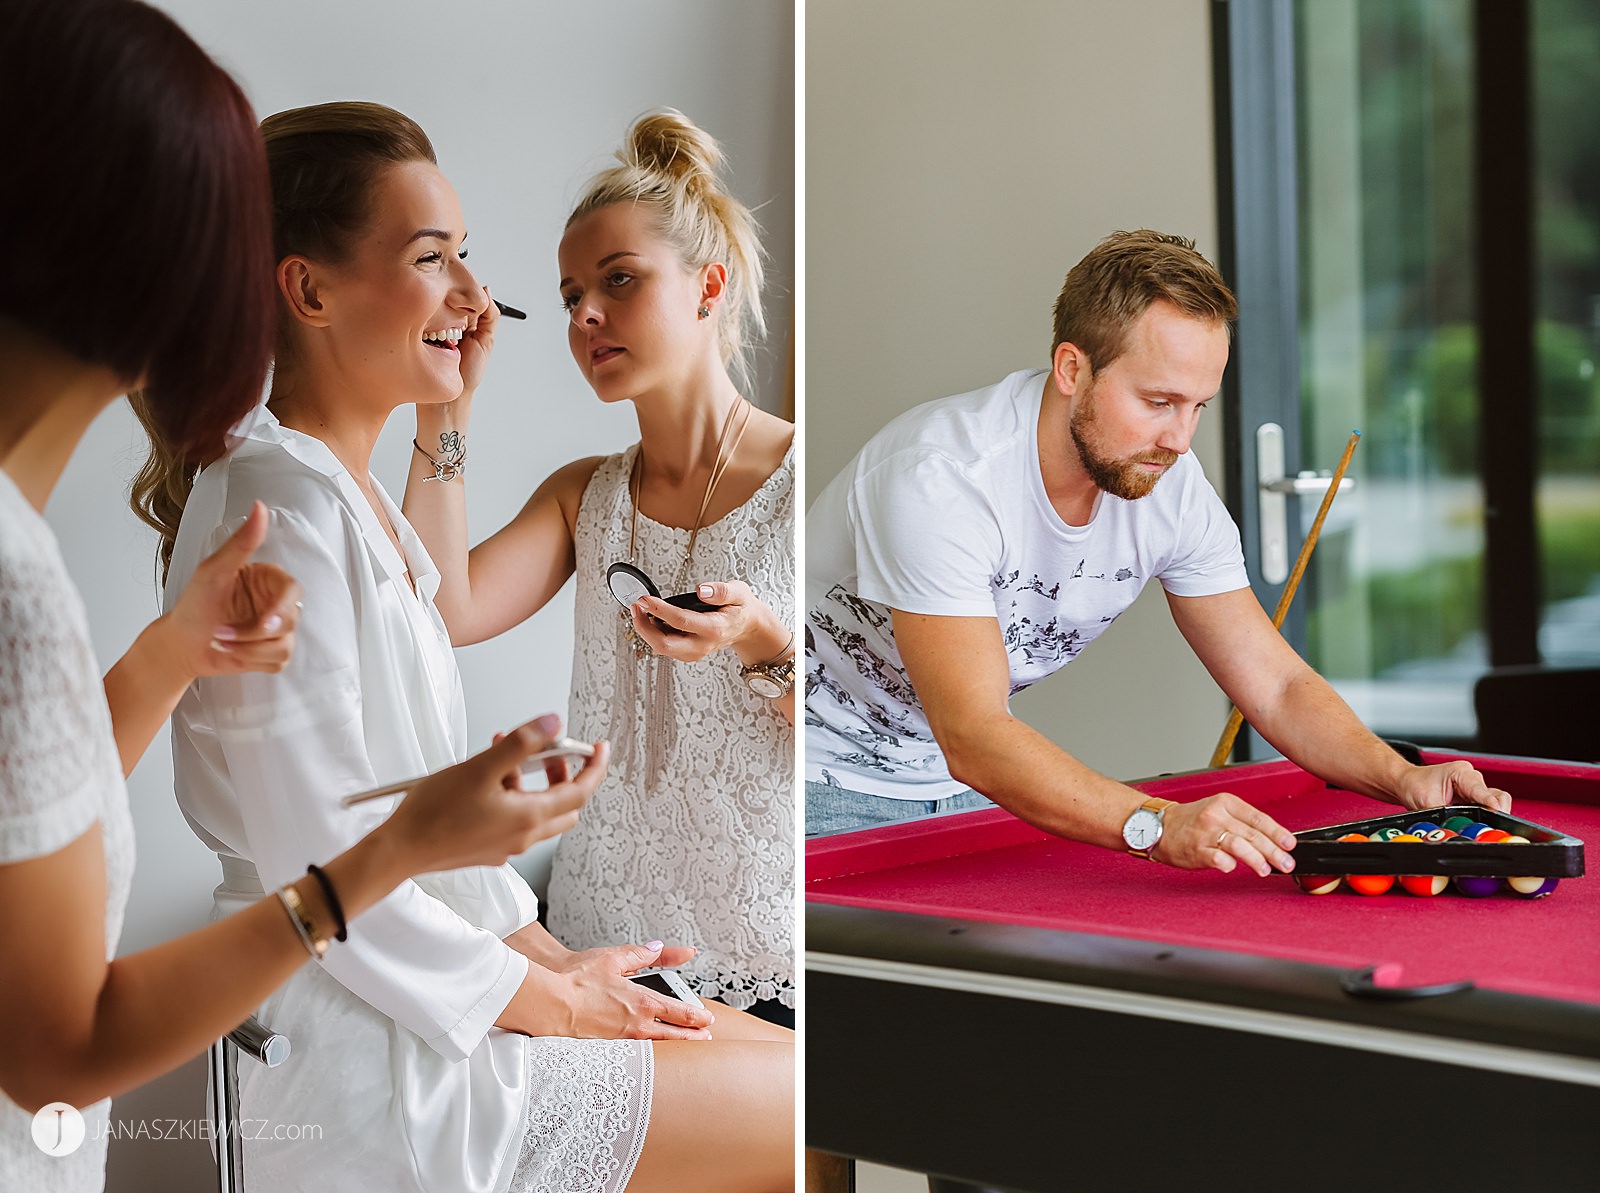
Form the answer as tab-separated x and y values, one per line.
301	919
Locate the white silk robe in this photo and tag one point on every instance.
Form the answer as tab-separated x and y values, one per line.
398	1079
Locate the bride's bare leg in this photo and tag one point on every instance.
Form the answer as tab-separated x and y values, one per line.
740	1025
721	1117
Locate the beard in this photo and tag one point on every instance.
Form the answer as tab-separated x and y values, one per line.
1121	476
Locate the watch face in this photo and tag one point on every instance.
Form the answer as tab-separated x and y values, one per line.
1142	830
765	685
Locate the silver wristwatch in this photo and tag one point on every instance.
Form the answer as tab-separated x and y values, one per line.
1141	832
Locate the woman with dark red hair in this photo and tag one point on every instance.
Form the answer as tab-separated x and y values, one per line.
139	254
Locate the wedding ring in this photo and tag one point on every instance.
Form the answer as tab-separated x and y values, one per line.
1223	836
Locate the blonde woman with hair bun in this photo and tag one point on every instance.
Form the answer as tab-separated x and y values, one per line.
690	838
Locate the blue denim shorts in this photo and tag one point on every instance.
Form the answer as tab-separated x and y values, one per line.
831	809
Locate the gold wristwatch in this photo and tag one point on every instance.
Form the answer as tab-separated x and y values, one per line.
772	679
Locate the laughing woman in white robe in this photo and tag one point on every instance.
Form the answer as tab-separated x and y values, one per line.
371	696
451	1043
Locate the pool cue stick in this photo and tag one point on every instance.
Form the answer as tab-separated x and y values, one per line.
1235	717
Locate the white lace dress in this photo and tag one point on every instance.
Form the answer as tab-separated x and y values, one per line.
704	855
59	774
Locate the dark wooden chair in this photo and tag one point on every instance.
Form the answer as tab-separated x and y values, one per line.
1540	712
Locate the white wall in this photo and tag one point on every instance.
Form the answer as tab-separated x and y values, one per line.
524	101
959	159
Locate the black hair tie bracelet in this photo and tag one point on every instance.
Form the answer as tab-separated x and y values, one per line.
332	897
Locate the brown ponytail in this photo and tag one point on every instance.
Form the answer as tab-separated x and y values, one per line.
323	162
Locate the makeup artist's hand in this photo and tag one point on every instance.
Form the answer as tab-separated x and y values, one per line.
442	426
743	623
235	615
477	343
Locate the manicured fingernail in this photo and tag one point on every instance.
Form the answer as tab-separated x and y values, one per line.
221	647
706	590
548	723
272	625
654	946
224	633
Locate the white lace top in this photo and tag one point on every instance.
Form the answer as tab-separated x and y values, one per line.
706	857
59	773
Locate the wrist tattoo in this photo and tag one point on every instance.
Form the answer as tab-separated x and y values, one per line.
451	461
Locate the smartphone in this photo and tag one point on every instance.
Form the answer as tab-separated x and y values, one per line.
669	982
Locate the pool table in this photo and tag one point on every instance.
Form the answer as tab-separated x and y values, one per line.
993	1004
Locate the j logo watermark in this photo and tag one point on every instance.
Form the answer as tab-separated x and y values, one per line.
58	1129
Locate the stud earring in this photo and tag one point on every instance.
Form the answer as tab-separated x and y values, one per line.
705	312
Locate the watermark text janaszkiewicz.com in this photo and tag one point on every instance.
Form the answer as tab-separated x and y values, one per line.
60	1130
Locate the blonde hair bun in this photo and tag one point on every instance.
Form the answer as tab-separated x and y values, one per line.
667	143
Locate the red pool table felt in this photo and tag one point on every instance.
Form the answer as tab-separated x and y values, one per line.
989	866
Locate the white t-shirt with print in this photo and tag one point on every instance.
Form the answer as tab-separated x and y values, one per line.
944	512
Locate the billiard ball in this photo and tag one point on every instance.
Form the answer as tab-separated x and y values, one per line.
1318	884
1386	834
1532	886
1459	823
1529	886
1477	886
1474	830
1492	836
1354	837
1370	884
1442	834
1424	884
1422	828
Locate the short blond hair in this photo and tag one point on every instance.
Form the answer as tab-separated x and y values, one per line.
1119	279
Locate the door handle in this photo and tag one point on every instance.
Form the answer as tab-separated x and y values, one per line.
1275	487
1307	482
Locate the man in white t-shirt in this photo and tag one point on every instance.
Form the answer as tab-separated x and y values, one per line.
976	544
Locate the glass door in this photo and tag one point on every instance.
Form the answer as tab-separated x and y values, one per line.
1387	344
1356	154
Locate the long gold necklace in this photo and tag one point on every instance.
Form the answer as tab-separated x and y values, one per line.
633	652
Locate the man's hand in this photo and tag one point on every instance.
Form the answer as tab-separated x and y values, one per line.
1220	832
1448	783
